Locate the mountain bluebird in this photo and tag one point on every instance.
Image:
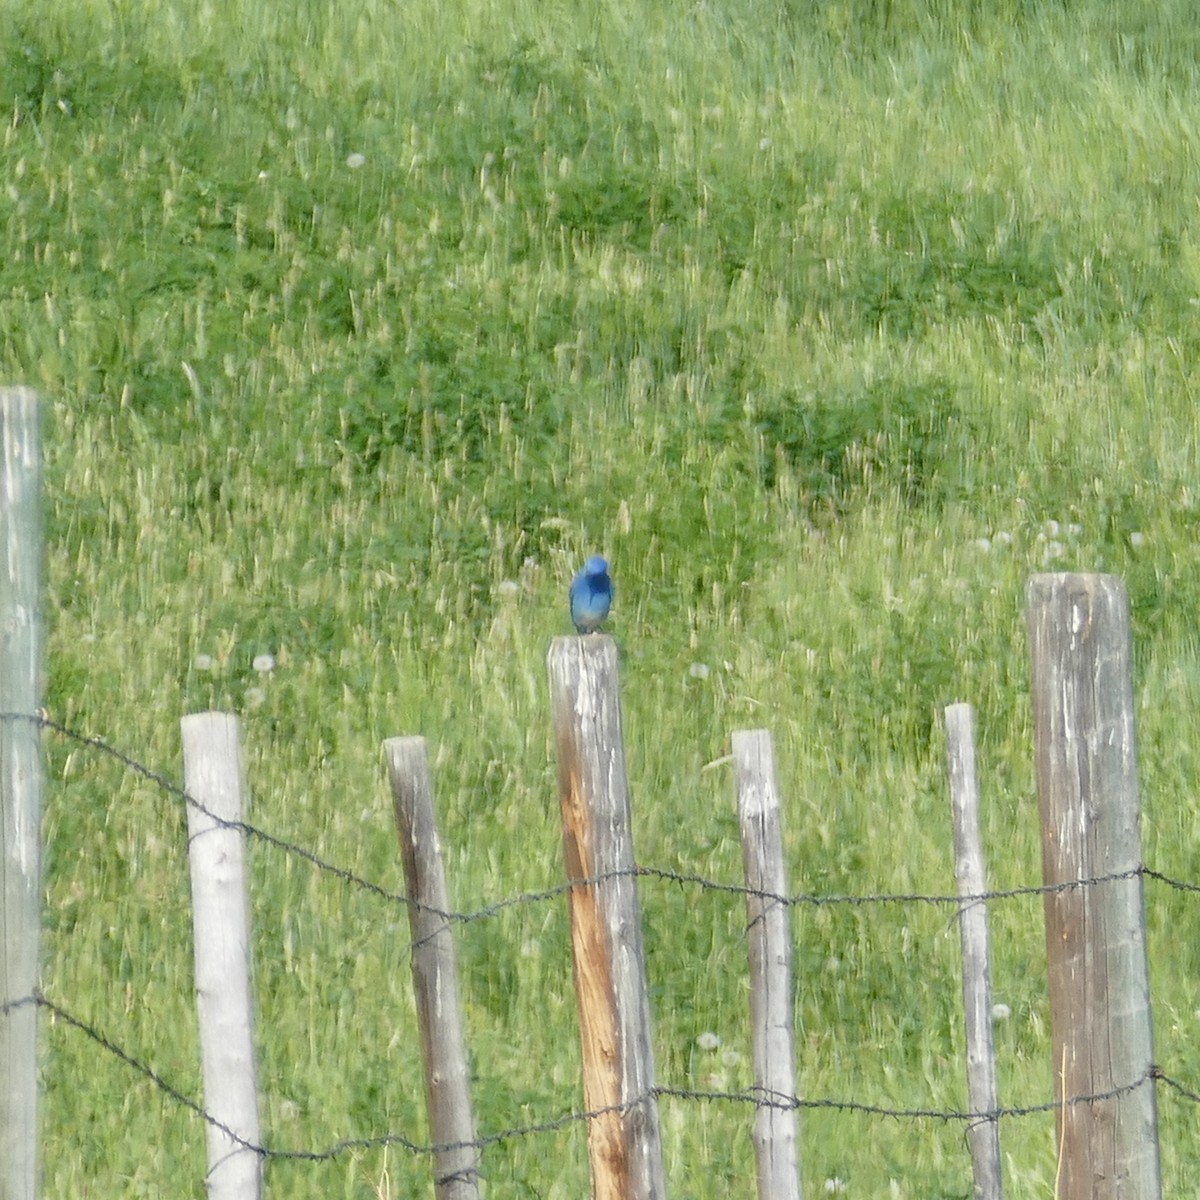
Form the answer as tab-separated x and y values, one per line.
591	595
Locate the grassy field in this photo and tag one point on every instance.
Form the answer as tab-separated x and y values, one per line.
359	326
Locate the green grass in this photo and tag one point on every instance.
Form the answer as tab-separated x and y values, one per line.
349	317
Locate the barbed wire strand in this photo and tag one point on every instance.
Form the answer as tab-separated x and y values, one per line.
172	788
541	895
755	1097
93	742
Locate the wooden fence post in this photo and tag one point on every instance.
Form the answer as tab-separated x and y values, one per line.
435	972
20	787
214	776
771	997
624	1139
1095	933
976	952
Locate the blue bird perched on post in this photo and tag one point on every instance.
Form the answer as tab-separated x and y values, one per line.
591	595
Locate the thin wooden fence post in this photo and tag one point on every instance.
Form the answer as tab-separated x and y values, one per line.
984	1135
20	787
624	1138
435	972
771	994
214	777
1102	1031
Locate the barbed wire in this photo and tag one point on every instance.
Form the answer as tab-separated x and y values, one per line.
554	891
754	1097
92	742
956	900
751	1097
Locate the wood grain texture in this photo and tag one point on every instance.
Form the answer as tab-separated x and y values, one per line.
435	972
1095	934
624	1142
770	948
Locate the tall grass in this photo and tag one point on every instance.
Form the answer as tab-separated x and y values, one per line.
829	324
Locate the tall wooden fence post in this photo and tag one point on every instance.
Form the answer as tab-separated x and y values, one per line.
969	869
20	787
771	998
214	776
1102	1032
435	972
624	1138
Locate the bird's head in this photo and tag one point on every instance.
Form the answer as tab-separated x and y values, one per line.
596	565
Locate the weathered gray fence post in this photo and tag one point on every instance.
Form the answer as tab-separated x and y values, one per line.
214	776
1102	1032
20	787
624	1140
435	972
969	869
771	997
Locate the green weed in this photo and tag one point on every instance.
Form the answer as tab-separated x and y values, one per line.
828	324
